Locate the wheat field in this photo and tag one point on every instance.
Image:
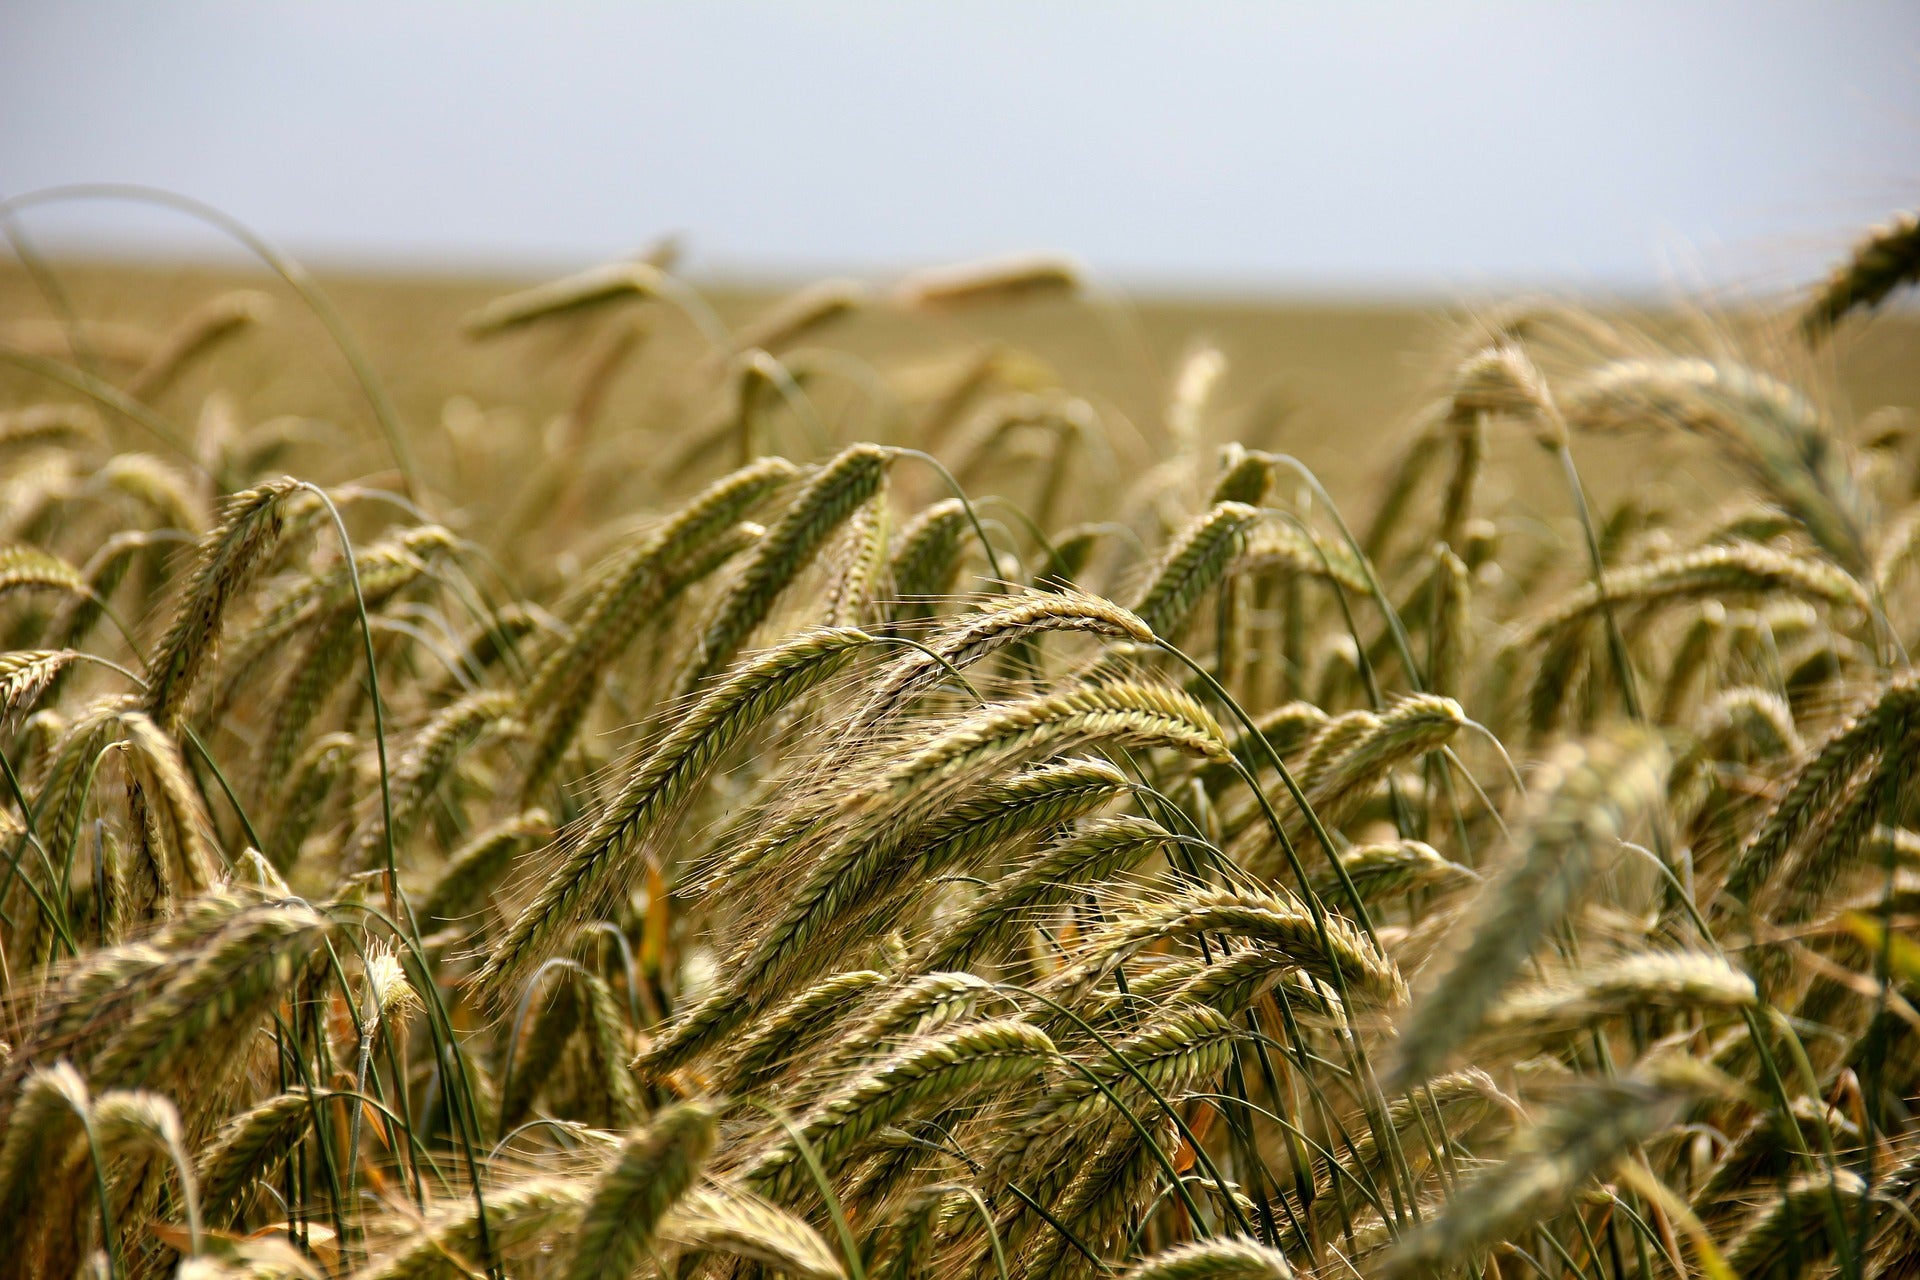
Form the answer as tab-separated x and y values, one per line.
821	794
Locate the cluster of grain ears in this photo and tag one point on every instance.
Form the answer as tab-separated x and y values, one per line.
719	845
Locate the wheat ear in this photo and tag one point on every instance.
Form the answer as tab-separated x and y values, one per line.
636	583
198	333
1584	800
1196	560
1885	260
228	559
1577	1140
656	1165
1773	431
792	1029
1220	1259
727	1220
935	1069
791	542
990	281
586	290
595	854
1052	877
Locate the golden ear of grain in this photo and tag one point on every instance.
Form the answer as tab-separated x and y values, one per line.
931	1070
1222	1258
520	1220
323	765
1409	728
1451	638
1393	867
1791	1234
249	1145
227	560
802	314
1502	381
66	426
858	881
164	793
1054	876
587	290
929	1003
791	1030
206	1014
1769	428
197	334
481	863
47	1111
1340	953
637	581
1180	1044
996	624
1458	1102
173	495
859	566
926	560
25	674
1811	802
1108	1185
1888	258
1016	278
426	762
730	1221
24	568
1245	476
1618	988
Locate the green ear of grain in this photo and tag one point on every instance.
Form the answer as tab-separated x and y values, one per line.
1584	800
931	1070
822	505
656	1165
597	854
1577	1140
1198	559
637	582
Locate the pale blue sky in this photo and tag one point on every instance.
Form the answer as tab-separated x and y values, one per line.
1445	146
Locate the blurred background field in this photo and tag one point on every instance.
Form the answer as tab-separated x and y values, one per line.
1334	383
1331	382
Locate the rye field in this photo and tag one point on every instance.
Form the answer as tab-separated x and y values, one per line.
955	776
